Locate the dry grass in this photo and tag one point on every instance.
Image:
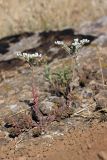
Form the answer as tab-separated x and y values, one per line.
18	16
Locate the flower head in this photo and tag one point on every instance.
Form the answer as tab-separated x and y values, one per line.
78	44
59	42
83	41
29	57
75	46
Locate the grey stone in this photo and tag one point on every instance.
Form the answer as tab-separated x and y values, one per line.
87	93
57	100
95	28
13	107
101	98
46	107
101	40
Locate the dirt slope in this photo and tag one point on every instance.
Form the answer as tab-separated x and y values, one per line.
78	144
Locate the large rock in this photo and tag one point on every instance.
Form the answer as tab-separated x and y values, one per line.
95	28
101	99
47	107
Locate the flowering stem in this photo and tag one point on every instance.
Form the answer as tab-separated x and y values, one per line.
99	59
67	49
34	91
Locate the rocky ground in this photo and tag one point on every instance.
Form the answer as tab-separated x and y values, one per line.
74	132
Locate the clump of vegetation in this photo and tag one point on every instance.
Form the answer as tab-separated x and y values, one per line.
22	122
17	124
33	60
58	81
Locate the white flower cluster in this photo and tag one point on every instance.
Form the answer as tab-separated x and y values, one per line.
78	44
74	46
28	56
59	42
83	41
